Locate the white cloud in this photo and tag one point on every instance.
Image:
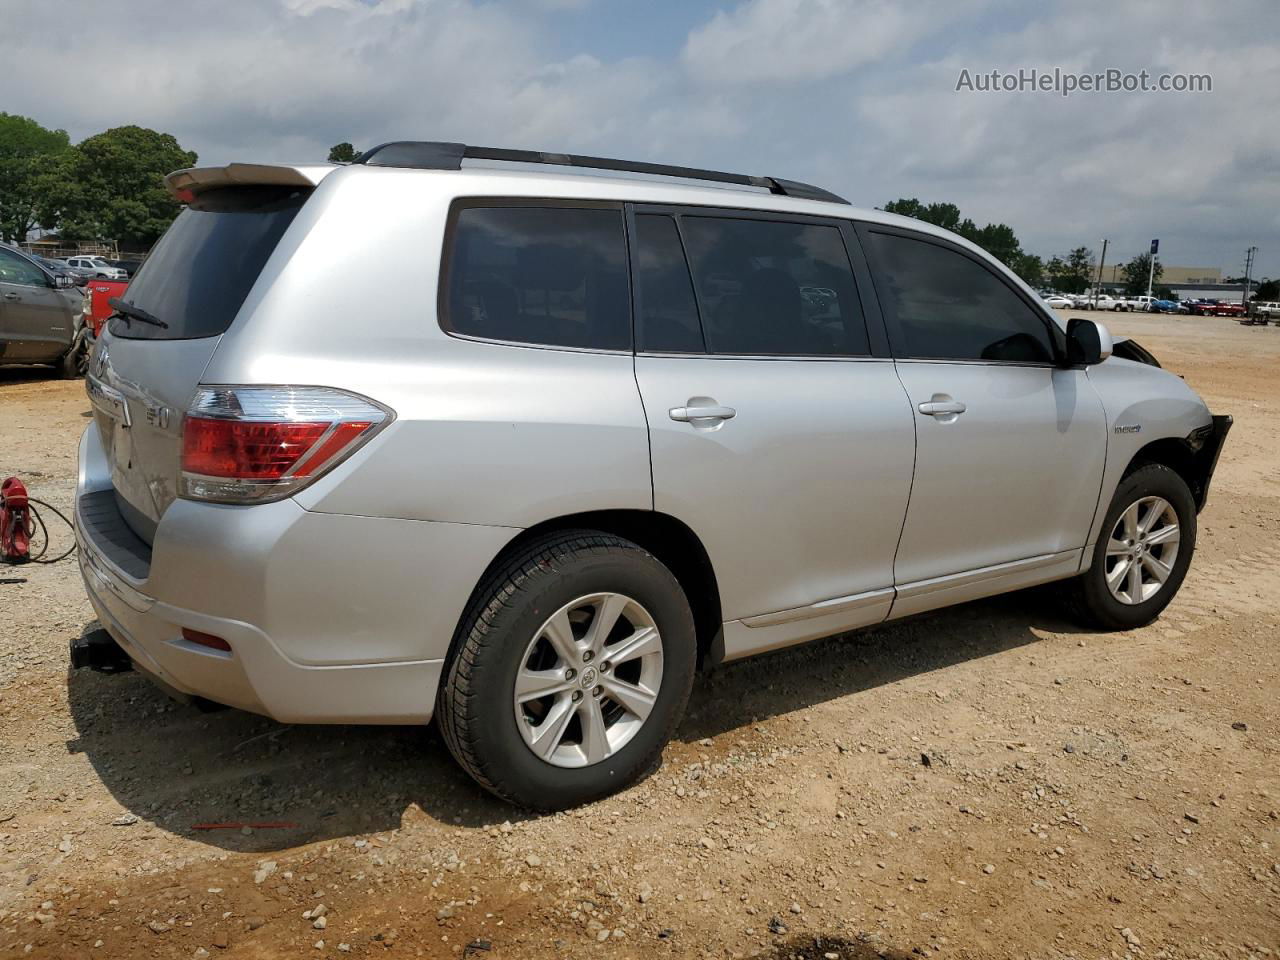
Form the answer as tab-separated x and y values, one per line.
857	96
792	41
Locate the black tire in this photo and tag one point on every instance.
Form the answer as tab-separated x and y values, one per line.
75	361
474	707
1088	596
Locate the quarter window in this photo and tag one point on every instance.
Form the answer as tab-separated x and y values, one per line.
774	287
554	276
949	307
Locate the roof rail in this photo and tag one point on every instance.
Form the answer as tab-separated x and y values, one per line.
439	155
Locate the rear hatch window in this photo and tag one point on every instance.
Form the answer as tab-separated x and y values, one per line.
204	266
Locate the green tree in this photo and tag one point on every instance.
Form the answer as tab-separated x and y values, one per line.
27	151
945	215
998	239
342	153
1267	290
1030	268
1071	274
1054	272
1135	274
1079	272
113	186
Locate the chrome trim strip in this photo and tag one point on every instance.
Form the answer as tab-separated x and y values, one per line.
820	609
924	587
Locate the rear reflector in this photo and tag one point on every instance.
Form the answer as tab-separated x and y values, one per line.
255	444
206	640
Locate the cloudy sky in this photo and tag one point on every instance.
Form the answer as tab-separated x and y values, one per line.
858	96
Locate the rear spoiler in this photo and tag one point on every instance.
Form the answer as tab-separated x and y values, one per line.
184	184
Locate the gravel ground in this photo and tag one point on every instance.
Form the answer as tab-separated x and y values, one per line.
989	781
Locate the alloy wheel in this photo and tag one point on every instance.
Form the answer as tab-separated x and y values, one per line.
1142	550
588	680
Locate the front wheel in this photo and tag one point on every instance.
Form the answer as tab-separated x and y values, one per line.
75	362
575	662
1142	554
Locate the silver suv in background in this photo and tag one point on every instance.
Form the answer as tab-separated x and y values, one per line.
96	267
641	423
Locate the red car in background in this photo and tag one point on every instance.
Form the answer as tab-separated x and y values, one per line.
1216	308
100	292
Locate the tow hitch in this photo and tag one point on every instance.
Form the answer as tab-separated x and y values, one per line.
98	651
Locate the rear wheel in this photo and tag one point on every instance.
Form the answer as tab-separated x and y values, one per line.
574	667
1142	554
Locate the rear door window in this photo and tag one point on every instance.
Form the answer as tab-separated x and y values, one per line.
548	275
204	266
946	306
774	287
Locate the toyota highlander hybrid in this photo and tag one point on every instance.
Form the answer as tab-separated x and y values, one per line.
627	419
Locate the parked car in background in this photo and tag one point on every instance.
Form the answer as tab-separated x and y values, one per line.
97	267
1269	310
1168	306
128	266
41	316
822	418
1104	301
1216	308
60	268
1059	301
99	294
1142	302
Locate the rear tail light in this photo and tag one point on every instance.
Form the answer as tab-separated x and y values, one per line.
256	444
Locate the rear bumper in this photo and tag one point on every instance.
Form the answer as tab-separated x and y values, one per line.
330	618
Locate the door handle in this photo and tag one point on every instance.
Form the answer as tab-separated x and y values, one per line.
942	406
12	296
709	412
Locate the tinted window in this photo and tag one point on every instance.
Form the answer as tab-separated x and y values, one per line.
548	275
15	269
950	307
667	317
203	267
770	287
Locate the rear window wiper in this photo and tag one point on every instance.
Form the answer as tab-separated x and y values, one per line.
125	309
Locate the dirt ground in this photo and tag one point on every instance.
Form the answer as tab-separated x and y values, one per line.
989	781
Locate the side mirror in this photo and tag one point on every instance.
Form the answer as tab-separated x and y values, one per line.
62	282
1088	342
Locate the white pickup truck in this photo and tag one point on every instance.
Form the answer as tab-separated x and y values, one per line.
1104	301
1142	302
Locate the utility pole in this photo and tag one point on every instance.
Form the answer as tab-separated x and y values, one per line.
1248	269
1097	285
1151	273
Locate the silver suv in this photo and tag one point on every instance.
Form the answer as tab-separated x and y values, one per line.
618	426
96	267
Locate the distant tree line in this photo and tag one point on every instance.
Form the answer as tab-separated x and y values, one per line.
109	186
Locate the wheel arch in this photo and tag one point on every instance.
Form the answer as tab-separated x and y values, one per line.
670	540
1183	457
